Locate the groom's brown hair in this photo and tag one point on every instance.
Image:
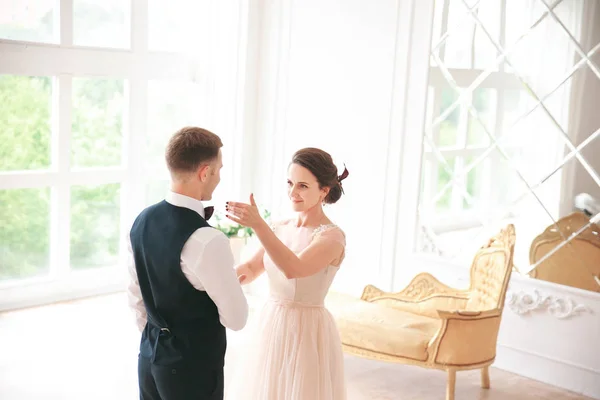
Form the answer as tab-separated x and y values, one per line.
191	147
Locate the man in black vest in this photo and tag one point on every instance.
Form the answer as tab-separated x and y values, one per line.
184	288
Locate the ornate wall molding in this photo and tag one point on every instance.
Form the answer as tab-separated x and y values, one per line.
560	307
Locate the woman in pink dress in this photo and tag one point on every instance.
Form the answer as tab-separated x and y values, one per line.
294	352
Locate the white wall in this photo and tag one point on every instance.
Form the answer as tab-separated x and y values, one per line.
550	333
328	77
327	83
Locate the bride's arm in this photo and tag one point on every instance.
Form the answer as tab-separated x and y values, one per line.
252	268
321	252
318	255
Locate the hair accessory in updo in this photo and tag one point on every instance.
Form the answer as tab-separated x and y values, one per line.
344	174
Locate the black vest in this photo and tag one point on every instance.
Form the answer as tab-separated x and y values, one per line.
183	323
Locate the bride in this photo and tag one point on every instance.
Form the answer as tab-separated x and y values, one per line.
294	350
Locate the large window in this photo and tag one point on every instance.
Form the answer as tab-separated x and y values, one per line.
90	92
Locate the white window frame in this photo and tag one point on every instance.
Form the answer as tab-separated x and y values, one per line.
498	81
137	66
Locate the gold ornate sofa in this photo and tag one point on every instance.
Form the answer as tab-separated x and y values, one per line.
429	324
576	263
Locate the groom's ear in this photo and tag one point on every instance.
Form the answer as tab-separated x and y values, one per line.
203	172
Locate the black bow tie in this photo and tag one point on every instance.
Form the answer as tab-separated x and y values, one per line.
208	212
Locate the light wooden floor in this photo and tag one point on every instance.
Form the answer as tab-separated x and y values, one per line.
88	350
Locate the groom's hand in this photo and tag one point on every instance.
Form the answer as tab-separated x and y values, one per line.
242	278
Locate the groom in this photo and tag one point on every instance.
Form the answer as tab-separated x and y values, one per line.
183	285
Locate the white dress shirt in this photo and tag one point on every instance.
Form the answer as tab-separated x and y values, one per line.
207	263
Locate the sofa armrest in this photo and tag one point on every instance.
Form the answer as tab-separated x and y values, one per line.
466	338
424	295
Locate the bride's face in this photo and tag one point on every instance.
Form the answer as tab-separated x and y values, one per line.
303	189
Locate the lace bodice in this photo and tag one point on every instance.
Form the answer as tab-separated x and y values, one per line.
310	290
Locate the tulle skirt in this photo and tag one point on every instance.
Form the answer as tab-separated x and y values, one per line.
291	352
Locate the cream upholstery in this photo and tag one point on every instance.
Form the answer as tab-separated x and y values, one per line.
375	327
430	324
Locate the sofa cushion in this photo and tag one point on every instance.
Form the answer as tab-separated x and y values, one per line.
382	329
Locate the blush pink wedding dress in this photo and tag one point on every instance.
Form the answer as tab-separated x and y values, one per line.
293	349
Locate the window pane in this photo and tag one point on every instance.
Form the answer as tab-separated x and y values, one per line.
171	106
518	125
101	23
29	20
95	213
25	233
448	128
25	110
507	185
484	101
155	191
176	25
445	174
476	184
97	122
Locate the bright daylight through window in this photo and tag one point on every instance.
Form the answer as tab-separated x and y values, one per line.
83	127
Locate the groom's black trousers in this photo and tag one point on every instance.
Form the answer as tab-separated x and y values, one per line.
181	381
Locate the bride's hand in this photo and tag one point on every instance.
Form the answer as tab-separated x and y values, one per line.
244	214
